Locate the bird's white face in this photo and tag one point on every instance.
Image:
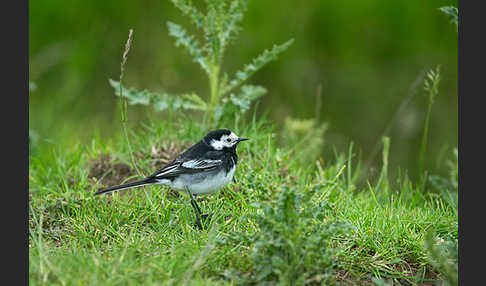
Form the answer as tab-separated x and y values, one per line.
225	141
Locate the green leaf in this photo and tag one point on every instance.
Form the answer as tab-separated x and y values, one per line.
191	45
194	102
233	17
138	97
256	64
188	9
248	94
234	105
132	95
211	32
160	101
452	12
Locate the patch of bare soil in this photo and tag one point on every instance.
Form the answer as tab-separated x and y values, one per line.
163	154
102	170
105	173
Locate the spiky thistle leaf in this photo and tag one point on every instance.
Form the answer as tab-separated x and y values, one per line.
188	9
248	94
211	33
452	12
191	44
257	63
160	101
233	17
194	102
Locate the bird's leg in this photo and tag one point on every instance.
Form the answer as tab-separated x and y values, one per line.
203	216
196	209
194	197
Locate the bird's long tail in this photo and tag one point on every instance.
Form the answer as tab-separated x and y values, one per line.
147	181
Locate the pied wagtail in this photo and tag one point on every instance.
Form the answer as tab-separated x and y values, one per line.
204	168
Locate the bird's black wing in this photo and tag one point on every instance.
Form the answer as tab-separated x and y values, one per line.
176	168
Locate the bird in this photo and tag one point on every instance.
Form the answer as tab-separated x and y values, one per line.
203	168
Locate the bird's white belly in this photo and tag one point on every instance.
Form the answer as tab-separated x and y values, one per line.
207	185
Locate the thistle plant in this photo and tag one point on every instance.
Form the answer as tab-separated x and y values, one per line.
218	26
293	243
443	255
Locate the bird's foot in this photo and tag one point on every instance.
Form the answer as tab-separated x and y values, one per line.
204	217
198	224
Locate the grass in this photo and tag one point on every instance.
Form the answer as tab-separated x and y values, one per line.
289	217
137	238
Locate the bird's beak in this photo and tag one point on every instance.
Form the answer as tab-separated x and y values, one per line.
242	139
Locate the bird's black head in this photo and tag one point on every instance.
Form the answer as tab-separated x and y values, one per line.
223	139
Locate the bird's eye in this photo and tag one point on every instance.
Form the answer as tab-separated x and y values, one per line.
228	140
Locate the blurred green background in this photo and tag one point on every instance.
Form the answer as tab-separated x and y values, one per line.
366	54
